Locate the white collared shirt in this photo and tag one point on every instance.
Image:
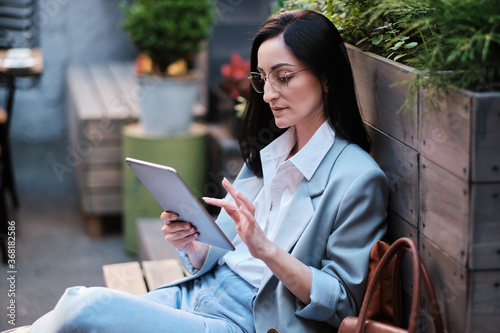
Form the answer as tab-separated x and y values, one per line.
281	177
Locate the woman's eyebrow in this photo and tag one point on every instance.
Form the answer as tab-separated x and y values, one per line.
281	64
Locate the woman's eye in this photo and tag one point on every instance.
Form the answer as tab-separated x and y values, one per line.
282	77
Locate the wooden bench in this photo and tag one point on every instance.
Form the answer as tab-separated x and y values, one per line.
158	262
139	278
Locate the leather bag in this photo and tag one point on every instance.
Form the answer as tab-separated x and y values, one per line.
391	261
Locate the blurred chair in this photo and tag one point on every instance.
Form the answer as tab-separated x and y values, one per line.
17	23
17	30
3	204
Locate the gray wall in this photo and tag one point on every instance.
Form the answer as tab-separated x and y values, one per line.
69	31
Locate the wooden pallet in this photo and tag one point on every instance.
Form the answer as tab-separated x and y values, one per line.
102	99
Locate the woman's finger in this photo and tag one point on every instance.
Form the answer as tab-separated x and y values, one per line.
179	233
168	217
246	202
228	206
238	197
230	189
222	203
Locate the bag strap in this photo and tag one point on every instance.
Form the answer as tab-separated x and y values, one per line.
419	274
397	304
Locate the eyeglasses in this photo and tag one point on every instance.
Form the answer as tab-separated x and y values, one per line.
278	79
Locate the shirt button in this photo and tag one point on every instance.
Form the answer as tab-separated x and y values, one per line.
272	330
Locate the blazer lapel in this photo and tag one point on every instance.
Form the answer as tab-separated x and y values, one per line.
301	209
296	219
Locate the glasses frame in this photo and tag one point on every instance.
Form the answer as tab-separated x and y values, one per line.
273	83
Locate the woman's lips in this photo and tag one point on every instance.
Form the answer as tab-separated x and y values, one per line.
277	109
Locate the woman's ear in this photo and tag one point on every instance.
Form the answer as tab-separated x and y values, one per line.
324	82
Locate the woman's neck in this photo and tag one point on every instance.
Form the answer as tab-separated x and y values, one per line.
304	133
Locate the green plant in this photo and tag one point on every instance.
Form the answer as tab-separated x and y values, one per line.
372	25
464	47
168	30
459	47
451	44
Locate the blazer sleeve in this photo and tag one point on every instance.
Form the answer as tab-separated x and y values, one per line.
359	220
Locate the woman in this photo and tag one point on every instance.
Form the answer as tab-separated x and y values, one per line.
303	213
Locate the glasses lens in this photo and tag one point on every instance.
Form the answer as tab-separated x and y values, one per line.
257	82
279	78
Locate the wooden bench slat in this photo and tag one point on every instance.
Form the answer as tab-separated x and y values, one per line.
160	272
126	277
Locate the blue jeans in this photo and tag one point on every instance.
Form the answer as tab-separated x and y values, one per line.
219	301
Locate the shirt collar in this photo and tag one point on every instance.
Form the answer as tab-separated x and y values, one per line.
280	148
309	157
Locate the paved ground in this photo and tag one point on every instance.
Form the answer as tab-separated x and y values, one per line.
53	251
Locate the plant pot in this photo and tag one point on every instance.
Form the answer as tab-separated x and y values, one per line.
167	102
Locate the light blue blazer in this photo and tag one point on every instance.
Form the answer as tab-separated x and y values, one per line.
332	225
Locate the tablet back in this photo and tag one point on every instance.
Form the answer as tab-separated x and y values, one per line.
172	194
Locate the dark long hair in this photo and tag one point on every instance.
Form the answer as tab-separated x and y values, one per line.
315	41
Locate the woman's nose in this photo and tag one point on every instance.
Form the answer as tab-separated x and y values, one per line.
270	92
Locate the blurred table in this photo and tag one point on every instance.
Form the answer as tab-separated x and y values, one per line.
10	69
8	75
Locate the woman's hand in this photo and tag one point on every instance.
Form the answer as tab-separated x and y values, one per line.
182	235
242	212
296	276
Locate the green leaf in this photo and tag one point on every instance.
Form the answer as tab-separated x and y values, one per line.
361	41
411	45
396	58
377	39
397	46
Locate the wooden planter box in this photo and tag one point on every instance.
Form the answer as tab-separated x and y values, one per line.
444	175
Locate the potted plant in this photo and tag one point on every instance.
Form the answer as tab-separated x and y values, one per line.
439	62
169	34
231	92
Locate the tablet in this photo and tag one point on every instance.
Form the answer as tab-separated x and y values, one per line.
172	193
